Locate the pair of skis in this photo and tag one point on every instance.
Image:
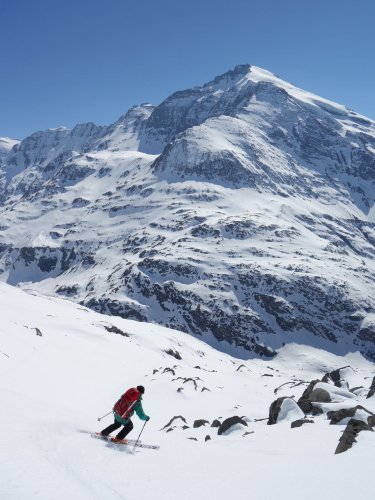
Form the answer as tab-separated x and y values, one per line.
130	442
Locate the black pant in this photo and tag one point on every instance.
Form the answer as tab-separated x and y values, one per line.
116	425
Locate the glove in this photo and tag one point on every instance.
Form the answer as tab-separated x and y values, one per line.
147	419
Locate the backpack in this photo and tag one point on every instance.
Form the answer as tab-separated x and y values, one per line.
125	405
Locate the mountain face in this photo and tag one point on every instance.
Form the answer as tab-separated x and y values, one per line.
241	211
69	365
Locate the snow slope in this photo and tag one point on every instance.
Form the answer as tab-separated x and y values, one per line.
55	382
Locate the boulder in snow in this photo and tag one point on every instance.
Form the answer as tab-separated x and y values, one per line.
338	377
229	423
348	437
320	395
216	423
300	422
284	409
200	423
345	414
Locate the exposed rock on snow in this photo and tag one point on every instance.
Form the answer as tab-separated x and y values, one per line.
338	376
173	419
216	423
300	422
282	409
229	424
319	395
173	353
115	329
304	401
371	392
200	423
348	437
343	415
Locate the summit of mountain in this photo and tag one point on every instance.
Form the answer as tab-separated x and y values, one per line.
241	211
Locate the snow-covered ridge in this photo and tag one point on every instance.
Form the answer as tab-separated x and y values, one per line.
240	211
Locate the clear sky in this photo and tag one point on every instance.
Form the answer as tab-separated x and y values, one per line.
70	61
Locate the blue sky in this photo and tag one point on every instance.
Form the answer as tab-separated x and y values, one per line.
70	61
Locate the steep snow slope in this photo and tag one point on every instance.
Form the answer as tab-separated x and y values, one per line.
61	367
253	227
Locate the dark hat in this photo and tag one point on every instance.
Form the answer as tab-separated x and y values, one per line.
141	389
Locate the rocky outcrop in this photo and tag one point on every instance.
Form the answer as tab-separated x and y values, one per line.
216	423
371	392
348	437
304	401
337	376
300	422
229	423
319	395
284	408
200	423
335	417
181	421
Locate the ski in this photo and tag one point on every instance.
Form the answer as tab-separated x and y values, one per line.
123	442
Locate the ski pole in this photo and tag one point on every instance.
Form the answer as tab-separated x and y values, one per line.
139	436
106	415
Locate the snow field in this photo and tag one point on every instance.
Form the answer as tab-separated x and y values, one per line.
54	385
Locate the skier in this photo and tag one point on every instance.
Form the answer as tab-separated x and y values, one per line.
130	402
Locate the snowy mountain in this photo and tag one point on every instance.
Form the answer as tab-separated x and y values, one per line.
240	211
62	366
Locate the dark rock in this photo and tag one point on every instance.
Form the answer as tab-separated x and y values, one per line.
275	408
28	254
320	395
188	379
348	437
371	392
172	420
371	420
300	422
207	438
38	332
335	377
304	402
216	423
336	416
47	264
166	370
173	353
306	406
200	423
68	291
239	368
230	422
117	331
317	410
193	439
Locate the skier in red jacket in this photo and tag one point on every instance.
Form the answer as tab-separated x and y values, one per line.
130	402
